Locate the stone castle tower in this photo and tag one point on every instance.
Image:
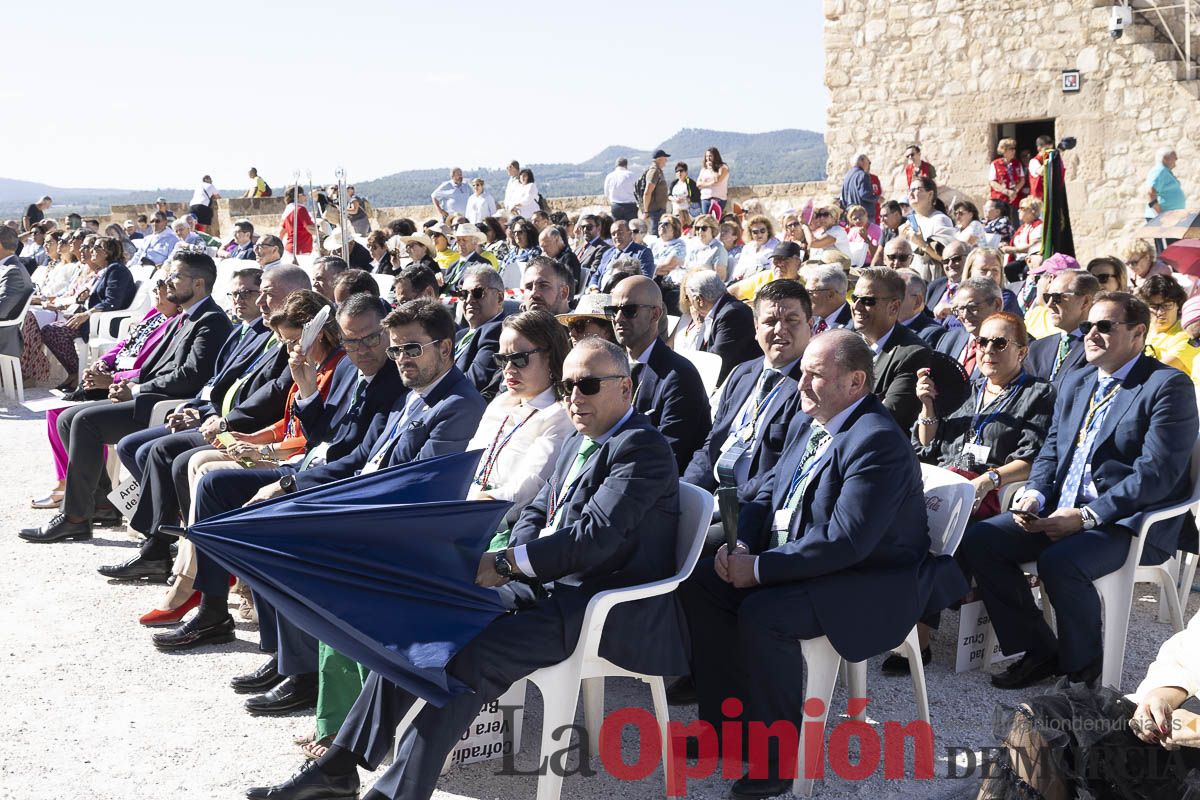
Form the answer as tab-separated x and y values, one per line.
958	75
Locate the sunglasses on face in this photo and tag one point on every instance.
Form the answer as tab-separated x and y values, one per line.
701	227
967	309
997	343
518	360
477	293
898	256
630	310
1104	326
954	259
867	300
365	343
1057	297
408	349
1104	277
588	386
791	225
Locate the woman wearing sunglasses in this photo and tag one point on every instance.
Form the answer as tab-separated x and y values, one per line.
705	250
1167	340
524	428
994	436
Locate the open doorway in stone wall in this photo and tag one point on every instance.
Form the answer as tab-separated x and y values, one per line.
1025	132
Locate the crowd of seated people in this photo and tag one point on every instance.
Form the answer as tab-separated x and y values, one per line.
836	379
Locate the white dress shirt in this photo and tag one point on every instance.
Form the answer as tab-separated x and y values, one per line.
618	186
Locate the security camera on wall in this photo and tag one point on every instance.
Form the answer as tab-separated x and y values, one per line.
1120	19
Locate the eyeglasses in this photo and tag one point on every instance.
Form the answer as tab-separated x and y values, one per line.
898	256
478	293
1057	297
586	226
588	386
630	310
702	227
1134	262
408	349
665	225
365	343
518	360
758	231
1158	309
1104	277
241	294
1104	326
792	224
867	300
997	343
821	214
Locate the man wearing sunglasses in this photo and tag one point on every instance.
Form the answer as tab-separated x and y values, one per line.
942	289
482	298
837	524
976	300
913	313
666	387
606	518
1119	446
594	248
1068	301
899	353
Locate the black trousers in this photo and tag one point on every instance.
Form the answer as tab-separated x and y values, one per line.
512	647
624	211
84	430
217	492
165	497
746	645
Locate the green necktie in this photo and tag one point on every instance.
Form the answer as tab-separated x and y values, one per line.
1064	345
231	395
818	437
586	449
464	343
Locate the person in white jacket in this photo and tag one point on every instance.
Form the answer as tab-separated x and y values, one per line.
524	198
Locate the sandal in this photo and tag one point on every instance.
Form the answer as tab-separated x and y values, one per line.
301	739
52	500
314	750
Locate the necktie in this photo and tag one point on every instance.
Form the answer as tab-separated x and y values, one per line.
464	343
1097	409
1064	345
360	394
586	449
770	377
820	327
951	288
733	466
969	356
636	375
812	451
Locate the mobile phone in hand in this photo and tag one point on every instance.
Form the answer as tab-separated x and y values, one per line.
1027	516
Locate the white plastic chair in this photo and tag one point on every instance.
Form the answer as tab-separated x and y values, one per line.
12	382
1116	588
948	501
709	366
586	669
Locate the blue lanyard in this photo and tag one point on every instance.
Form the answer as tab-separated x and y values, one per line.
999	405
761	406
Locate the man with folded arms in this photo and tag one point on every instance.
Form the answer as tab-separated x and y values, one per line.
899	353
837	525
1119	447
606	519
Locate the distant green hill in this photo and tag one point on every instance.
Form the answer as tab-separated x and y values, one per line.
785	156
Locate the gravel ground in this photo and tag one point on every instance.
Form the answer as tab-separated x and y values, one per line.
95	712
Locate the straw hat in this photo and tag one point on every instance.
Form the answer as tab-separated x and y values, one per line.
420	239
590	306
334	240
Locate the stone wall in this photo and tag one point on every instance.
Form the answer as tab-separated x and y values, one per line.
945	72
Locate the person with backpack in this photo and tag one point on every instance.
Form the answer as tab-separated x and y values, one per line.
651	190
258	187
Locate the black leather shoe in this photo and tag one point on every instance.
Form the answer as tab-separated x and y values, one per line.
682	692
260	680
748	788
293	693
896	664
310	783
137	568
1089	675
194	633
107	518
57	530
1030	669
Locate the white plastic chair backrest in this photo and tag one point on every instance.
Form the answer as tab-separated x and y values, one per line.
672	324
708	364
948	501
19	319
385	284
695	516
511	273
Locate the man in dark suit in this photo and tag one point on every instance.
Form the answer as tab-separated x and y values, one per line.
15	289
974	301
728	328
827	286
178	368
939	297
837	525
1069	300
607	518
592	253
553	242
913	314
241	395
758	399
1119	446
666	387
899	353
482	297
623	245
438	415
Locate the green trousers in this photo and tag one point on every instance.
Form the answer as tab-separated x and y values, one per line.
339	681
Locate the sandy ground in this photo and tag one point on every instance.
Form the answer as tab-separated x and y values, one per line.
95	712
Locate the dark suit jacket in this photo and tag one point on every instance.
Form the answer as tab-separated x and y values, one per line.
841	318
774	426
896	374
731	335
114	291
571	263
934	292
328	419
476	359
672	395
590	255
185	359
445	426
1042	352
928	328
952	343
618	529
859	534
234	358
1141	457
15	289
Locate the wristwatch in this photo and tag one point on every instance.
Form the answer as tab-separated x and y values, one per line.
1089	518
288	483
503	568
222	425
994	477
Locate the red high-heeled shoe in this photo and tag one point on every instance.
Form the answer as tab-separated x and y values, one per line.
158	619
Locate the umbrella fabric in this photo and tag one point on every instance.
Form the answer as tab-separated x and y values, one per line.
388	584
1183	256
1178	224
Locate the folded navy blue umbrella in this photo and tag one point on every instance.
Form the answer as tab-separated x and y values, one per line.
380	567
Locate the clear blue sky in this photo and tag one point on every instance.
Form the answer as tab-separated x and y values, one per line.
161	96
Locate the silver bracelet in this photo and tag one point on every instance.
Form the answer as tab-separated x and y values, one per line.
927	420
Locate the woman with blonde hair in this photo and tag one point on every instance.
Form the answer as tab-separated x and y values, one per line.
987	262
760	243
705	250
1007	178
824	232
1027	240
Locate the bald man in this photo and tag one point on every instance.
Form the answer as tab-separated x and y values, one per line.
667	388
